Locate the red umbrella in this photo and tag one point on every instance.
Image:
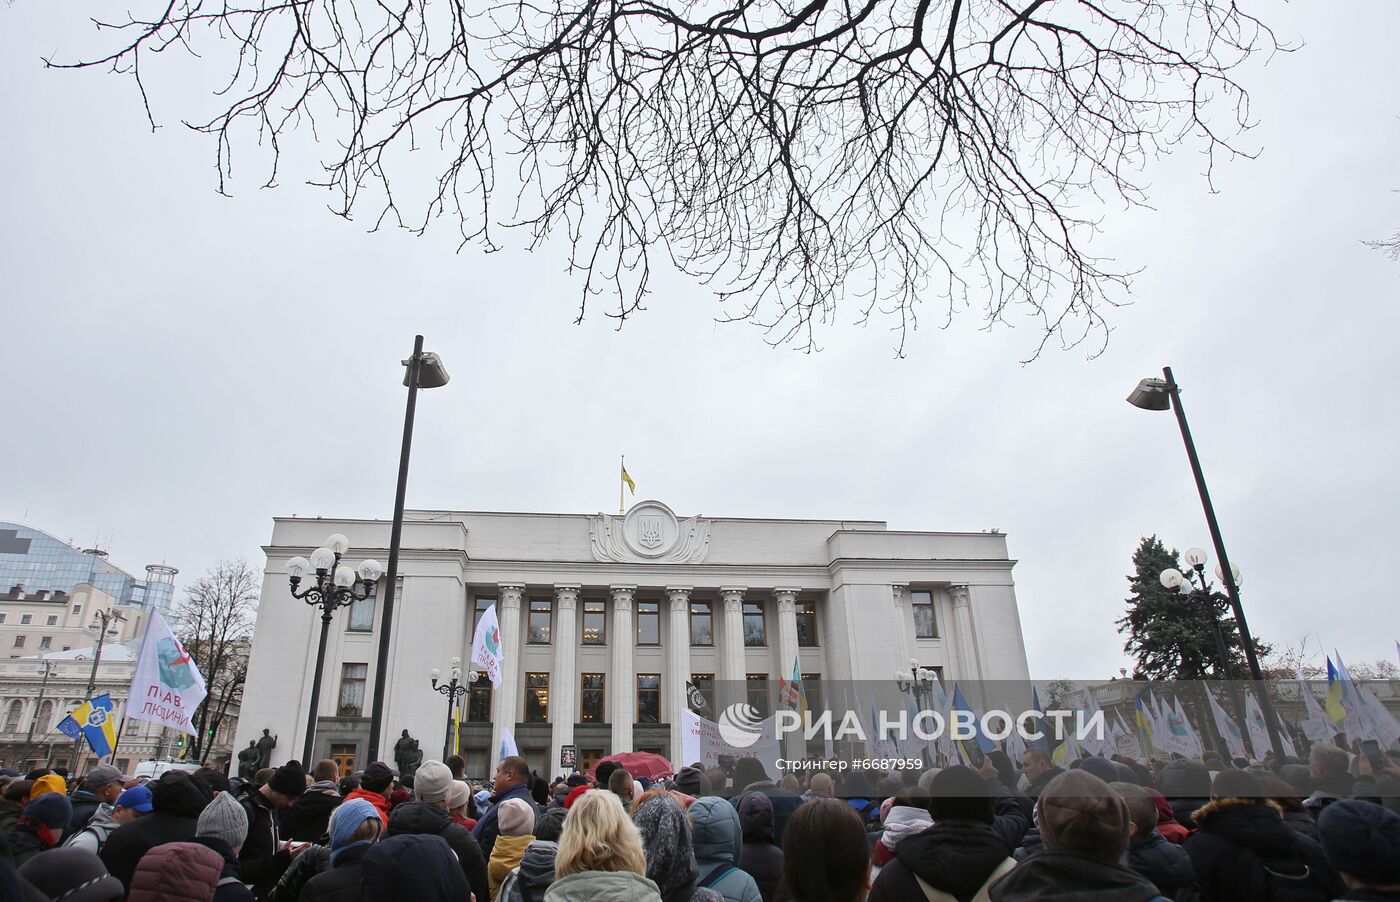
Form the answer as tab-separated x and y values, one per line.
639	764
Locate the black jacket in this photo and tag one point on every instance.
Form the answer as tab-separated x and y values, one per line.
1243	850
262	863
24	843
1038	785
413	867
1167	865
84	807
231	887
309	816
341	883
424	818
1057	874
176	801
784	803
760	858
955	856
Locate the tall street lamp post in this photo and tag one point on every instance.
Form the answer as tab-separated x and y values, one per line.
454	689
425	370
102	623
917	681
334	588
46	667
1161	394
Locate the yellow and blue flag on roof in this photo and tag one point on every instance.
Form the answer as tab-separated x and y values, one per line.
92	720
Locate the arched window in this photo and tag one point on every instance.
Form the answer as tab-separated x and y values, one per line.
13	715
45	720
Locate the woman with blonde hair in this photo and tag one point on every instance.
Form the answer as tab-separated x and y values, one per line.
600	855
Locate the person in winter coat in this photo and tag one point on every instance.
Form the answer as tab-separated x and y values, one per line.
176	802
1243	850
905	817
532	877
459	801
749	776
1295	816
517	824
512	782
1039	770
101	788
40	827
825	854
1084	826
1149	854
73	875
177	872
600	855
1331	777
958	855
353	828
760	858
670	854
1362	841
12	804
46	784
718	840
375	784
1185	784
429	815
223	827
414	866
1167	825
307	819
265	855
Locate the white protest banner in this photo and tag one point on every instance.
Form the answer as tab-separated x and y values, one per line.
167	686
701	741
486	645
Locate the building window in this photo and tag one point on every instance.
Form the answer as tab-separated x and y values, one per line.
648	698
701	624
648	623
807	624
537	698
362	615
25	619
925	627
479	700
352	690
19	642
12	716
758	694
45	718
44	642
482	603
595	623
591	698
755	632
51	620
77	609
705	685
2	618
812	690
541	614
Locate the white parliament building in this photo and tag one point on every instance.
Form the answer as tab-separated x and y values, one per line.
605	618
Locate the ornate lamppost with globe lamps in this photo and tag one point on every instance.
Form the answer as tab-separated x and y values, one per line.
334	588
454	689
917	681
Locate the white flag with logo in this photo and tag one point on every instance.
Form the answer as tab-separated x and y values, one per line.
486	645
167	687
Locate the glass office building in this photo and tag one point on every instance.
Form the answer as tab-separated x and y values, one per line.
33	561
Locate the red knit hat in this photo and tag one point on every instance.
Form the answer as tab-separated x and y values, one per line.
573	795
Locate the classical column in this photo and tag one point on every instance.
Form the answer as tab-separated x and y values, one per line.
966	638
787	653
731	658
903	621
507	702
563	685
677	665
622	690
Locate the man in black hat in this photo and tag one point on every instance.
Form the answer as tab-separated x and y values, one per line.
264	856
1362	841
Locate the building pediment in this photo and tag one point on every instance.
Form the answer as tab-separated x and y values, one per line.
649	532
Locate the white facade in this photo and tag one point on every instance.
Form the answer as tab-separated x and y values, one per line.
853	585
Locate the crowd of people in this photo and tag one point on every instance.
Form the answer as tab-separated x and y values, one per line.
1007	831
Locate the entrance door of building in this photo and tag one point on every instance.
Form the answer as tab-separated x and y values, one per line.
343	754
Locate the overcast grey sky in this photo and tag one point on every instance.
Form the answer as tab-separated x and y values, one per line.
182	367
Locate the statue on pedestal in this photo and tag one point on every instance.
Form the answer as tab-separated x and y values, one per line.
248	761
266	744
407	755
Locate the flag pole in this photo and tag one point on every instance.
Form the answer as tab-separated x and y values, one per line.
620	496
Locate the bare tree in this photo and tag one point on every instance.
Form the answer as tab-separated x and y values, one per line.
788	153
215	623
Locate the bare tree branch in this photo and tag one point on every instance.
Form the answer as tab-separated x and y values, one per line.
790	154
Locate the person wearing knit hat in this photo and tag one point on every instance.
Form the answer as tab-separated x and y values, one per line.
459	798
354	828
265	856
48	783
223	828
1084	825
375	784
73	875
1362	841
40	827
428	814
517	821
431	781
693	782
573	795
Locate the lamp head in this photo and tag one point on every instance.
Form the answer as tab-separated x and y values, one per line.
1234	571
322	559
1151	394
1196	557
338	543
297	567
434	674
344	577
431	372
1172	578
370	571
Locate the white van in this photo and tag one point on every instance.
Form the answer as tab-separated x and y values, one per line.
153	769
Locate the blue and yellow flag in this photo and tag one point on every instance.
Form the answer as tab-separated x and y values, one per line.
92	720
1335	709
1144	724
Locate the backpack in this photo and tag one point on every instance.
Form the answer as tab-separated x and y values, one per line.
100	830
933	894
718	873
